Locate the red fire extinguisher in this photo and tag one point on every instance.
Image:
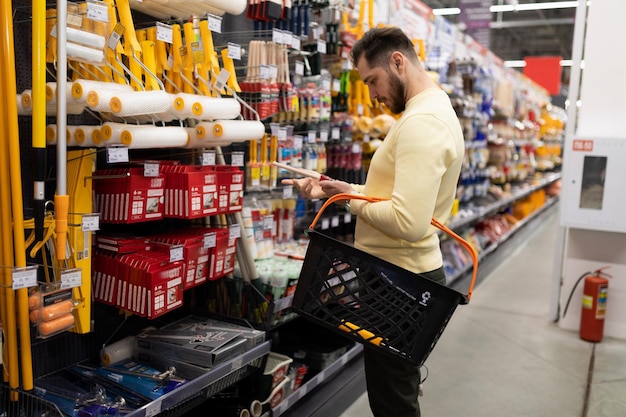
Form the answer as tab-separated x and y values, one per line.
593	304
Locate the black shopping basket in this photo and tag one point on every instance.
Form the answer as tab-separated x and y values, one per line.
374	301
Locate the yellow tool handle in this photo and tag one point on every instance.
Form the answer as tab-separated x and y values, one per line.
149	60
190	38
346	326
177	44
126	19
210	56
229	66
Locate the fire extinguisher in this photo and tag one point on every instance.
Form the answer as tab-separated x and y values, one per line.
593	304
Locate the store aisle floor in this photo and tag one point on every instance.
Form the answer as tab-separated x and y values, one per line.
502	356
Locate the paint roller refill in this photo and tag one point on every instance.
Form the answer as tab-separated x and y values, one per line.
112	132
118	351
230	130
51	93
81	88
139	102
235	7
146	137
85	38
48	328
85	135
204	108
84	53
51	312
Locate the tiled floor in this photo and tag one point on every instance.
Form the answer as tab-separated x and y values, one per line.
501	356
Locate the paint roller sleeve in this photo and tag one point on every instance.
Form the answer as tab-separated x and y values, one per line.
146	137
139	102
230	130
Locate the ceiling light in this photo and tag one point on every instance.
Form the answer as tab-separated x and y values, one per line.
446	11
533	6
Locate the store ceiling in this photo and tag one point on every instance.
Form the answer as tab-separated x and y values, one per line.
515	35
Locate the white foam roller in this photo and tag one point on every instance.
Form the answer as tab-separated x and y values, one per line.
51	93
118	351
112	133
81	88
71	138
21	110
88	136
52	135
85	38
205	108
230	130
26	100
229	6
150	136
84	53
25	106
196	142
139	102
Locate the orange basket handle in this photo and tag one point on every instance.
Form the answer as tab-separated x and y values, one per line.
469	248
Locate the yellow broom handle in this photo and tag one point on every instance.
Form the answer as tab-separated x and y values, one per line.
9	79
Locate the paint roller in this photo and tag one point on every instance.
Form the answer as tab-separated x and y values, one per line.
205	108
80	89
230	130
149	136
25	105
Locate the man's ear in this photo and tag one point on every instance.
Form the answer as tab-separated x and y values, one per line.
397	61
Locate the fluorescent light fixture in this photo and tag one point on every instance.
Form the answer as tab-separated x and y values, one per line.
520	63
533	6
515	64
447	11
514	7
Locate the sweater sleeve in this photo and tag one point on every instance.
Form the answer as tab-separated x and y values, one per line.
422	151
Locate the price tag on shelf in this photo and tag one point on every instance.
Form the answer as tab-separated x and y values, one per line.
208	158
312	136
176	253
277	36
299	68
98	10
282	133
234	231
71	278
336	85
90	222
24	277
273	71
72	20
296	43
209	240
153	408
324	135
287	192
215	23
237	159
336	133
164	32
325	223
334	221
268	222
298	140
347	218
151	169
264	72
117	154
221	79
236	364
321	46
234	51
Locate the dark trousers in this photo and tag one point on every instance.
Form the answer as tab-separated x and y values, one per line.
393	383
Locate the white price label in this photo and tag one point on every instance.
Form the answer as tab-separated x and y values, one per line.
221	80
210	240
334	221
90	222
273	70
237	364
312	136
324	135
299	68
264	72
326	85
153	408
347	218
297	141
336	85
287	192
164	32
208	158
336	133
72	20
321	46
176	253
325	223
277	37
366	137
71	278
234	51
317	32
268	222
282	133
237	159
116	35
98	10
215	23
295	43
234	232
151	169
117	155
359	109
24	277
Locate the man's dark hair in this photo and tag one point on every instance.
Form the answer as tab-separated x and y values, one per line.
378	44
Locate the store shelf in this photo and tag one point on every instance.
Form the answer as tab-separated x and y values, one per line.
517	194
322	377
206	385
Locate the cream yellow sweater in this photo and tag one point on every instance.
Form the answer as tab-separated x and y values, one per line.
417	167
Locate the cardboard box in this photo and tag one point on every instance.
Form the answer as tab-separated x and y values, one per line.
253	337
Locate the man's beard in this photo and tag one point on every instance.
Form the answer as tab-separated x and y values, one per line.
397	100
